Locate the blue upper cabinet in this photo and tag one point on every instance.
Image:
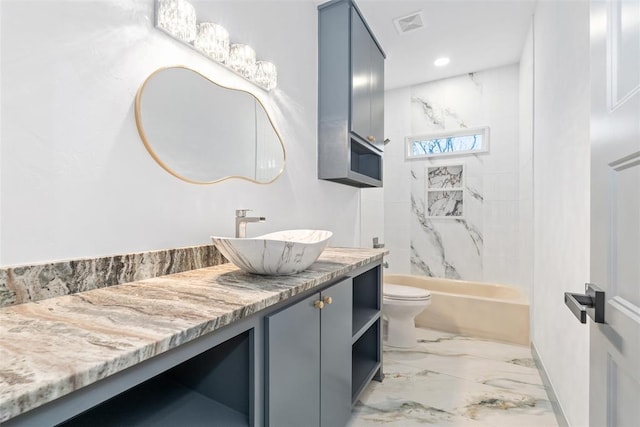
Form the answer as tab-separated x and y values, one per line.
367	85
350	97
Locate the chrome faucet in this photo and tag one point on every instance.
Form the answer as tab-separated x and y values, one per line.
242	219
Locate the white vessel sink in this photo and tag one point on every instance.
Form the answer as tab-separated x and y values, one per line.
276	254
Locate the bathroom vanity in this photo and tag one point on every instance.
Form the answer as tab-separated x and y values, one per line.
213	345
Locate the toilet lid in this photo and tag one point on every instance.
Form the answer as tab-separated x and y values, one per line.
399	292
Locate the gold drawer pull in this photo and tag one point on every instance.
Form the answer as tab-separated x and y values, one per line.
371	138
328	300
318	305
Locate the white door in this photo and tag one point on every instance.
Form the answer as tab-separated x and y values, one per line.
615	211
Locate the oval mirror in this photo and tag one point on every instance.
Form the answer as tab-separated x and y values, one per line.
204	133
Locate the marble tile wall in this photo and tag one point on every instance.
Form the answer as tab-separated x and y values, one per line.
443	246
481	242
28	283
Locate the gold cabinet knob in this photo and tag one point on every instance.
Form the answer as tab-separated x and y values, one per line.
371	138
319	305
327	300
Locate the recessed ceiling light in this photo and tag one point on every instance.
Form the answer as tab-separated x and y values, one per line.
441	62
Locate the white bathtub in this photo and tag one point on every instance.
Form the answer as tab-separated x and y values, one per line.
498	312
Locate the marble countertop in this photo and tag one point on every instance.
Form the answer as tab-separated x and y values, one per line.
55	346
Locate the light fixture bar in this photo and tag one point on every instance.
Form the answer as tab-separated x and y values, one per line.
177	18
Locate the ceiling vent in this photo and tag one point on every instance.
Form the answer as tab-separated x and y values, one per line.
411	22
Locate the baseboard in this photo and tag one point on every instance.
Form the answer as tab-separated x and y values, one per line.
553	398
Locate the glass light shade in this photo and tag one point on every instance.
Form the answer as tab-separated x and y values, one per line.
213	40
242	59
178	18
266	75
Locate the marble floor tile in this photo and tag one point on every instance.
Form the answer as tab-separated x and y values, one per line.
445	344
450	380
483	371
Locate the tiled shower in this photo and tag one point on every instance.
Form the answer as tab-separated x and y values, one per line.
479	241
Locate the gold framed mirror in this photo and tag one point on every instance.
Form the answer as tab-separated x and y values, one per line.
204	133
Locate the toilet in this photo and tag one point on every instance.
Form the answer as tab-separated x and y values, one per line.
400	306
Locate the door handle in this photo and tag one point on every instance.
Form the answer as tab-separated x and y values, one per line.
590	303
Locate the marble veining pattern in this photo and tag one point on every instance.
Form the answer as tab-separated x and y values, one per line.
418	264
104	331
459	251
279	253
475	235
444	177
424	259
475	193
446	237
445	203
438	117
451	380
21	284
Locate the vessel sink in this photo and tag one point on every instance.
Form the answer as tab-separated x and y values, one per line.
275	254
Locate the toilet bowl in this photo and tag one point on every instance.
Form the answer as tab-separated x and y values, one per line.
400	306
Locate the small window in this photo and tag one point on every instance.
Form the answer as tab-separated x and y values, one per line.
463	141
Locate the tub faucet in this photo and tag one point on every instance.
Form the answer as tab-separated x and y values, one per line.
242	219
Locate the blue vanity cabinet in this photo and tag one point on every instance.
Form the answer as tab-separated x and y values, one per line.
301	362
335	351
308	360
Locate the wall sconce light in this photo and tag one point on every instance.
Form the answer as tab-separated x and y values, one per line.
213	40
242	59
177	18
266	74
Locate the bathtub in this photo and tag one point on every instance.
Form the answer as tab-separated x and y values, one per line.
498	312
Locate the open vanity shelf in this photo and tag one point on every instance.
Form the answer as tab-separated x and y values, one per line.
366	166
365	360
366	350
215	385
366	301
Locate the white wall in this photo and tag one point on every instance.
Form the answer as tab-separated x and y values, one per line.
525	159
483	247
372	219
76	181
397	184
561	195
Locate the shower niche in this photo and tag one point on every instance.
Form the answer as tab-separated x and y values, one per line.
444	191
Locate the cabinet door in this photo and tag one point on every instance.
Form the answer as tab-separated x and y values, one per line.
335	345
377	96
360	77
292	366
